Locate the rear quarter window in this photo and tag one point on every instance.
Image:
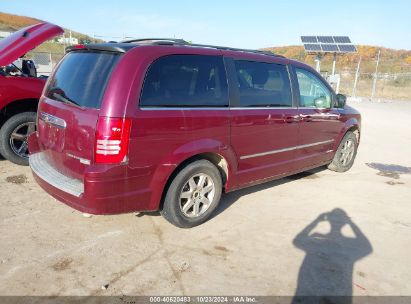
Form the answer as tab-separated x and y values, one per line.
185	81
82	77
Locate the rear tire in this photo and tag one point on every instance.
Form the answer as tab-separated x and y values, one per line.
346	153
13	137
193	195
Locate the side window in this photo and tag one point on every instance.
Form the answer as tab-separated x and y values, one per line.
313	92
263	84
185	81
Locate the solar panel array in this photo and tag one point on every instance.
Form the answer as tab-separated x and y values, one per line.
328	44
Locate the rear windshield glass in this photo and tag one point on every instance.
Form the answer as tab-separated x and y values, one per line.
82	78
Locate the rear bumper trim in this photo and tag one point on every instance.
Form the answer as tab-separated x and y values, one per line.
46	172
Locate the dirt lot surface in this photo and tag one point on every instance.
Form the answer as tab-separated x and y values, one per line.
320	233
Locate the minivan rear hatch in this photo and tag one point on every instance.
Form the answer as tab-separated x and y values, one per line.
69	110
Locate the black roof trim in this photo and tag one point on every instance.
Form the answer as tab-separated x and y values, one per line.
107	47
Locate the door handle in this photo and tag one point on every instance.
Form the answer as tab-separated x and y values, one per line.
292	119
306	117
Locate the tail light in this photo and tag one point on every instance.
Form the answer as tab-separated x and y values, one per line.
112	138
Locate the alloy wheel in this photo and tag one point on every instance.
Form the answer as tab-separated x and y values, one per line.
19	137
197	195
347	152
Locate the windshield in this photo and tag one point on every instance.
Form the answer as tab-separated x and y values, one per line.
81	78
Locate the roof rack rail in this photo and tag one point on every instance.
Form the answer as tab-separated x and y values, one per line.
157	40
225	48
174	41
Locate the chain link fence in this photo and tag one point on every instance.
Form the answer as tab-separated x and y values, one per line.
392	86
44	61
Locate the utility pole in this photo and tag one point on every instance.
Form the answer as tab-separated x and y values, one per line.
357	74
317	60
334	62
64	43
374	85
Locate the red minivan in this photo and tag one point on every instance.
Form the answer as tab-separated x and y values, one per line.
161	124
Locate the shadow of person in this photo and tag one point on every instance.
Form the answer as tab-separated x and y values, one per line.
326	273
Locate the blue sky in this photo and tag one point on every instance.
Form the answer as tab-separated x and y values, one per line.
247	24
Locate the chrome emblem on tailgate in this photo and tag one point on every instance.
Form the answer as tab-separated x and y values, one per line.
53	120
82	160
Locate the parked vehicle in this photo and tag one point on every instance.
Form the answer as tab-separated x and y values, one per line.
20	89
165	125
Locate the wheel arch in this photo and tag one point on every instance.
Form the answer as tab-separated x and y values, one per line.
216	159
219	155
355	130
351	125
16	107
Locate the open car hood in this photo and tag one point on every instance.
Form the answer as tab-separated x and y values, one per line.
26	39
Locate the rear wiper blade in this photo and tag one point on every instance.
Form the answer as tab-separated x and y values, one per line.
65	99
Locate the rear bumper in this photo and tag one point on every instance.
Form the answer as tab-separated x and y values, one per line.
99	193
48	174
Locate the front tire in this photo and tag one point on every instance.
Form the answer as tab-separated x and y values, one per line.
193	195
13	137
345	155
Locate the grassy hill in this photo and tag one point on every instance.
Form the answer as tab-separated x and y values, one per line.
10	22
394	80
391	61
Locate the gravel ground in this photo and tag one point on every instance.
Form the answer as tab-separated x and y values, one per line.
315	233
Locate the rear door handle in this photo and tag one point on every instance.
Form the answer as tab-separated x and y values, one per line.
292	119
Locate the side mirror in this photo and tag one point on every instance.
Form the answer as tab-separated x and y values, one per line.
341	100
